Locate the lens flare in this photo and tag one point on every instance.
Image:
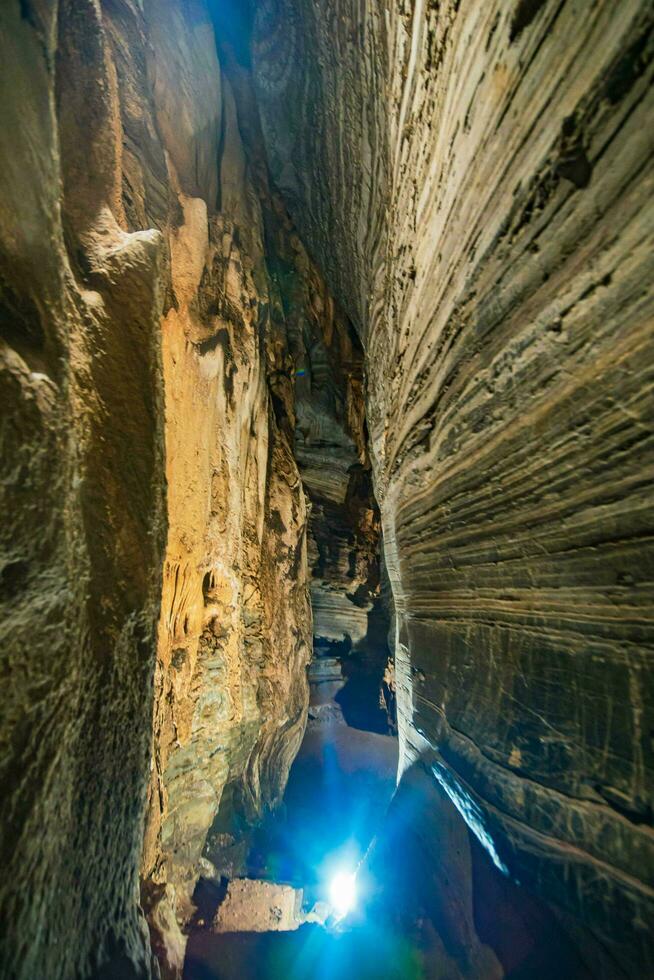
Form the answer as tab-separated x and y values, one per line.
343	892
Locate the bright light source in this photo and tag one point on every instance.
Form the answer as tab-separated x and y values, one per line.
343	892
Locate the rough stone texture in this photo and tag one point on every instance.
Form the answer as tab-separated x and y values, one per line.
244	305
330	446
82	503
235	627
258	906
344	533
331	450
324	397
474	180
350	617
477	188
326	681
132	260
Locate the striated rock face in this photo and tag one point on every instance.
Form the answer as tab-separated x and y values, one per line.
324	407
350	614
473	182
350	619
477	189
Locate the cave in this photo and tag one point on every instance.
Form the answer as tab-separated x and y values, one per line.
326	467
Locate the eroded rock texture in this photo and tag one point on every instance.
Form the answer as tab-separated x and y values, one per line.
138	316
329	432
82	502
235	627
478	190
350	619
473	181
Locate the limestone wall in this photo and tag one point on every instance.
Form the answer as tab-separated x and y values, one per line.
478	187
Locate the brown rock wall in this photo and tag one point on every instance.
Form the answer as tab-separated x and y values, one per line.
478	189
321	392
235	626
82	498
138	354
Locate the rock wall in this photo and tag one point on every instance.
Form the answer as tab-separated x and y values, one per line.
477	189
350	619
147	382
329	434
235	626
82	500
474	182
333	458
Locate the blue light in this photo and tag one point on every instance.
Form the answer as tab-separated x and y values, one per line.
343	892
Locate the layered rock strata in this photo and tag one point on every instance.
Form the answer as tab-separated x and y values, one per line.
350	614
330	439
477	189
350	617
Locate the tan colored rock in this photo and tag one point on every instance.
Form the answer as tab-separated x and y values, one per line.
234	634
133	293
258	906
82	500
476	189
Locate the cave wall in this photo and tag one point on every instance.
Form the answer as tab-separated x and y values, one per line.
156	620
477	189
333	458
328	430
350	614
82	502
235	625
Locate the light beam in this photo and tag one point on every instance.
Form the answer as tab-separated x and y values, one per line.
343	892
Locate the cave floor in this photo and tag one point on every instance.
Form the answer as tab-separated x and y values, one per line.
336	799
310	953
338	790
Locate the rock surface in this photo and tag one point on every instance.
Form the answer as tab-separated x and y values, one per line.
477	189
258	906
82	500
147	382
235	625
473	183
